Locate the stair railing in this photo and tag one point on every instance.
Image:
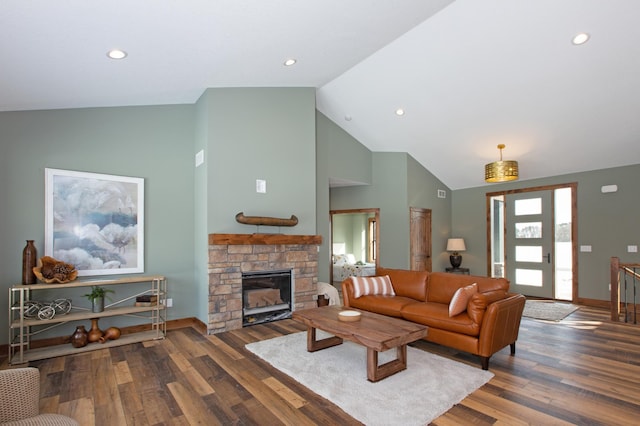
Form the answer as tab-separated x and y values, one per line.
625	277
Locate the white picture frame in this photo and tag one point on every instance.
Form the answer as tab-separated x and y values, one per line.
95	221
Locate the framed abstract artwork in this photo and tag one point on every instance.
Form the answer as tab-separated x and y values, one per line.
95	221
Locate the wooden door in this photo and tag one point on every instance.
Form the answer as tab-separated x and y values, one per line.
420	232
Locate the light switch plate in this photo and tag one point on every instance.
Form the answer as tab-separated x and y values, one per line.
632	249
586	249
261	186
199	157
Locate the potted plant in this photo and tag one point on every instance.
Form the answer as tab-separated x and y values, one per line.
96	297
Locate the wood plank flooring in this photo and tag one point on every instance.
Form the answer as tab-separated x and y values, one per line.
582	370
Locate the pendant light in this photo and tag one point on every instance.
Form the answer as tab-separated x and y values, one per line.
501	171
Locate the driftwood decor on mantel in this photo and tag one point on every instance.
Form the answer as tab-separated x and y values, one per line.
266	221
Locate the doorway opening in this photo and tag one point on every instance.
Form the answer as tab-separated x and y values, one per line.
355	243
532	240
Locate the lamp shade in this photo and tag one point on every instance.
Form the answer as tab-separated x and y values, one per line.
456	244
501	171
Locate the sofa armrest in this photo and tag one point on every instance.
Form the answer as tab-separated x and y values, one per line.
347	292
501	324
478	304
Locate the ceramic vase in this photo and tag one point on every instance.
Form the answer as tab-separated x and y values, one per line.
95	333
111	333
80	337
29	261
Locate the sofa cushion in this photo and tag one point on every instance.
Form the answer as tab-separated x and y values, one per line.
436	315
385	305
442	285
411	284
372	285
461	298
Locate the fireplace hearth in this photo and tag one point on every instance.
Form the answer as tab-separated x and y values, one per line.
231	255
266	296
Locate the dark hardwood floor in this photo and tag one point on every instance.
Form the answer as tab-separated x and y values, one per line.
584	370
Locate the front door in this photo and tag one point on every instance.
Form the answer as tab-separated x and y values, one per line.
420	231
529	242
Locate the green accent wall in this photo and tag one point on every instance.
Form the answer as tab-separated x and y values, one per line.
422	191
261	133
398	183
152	142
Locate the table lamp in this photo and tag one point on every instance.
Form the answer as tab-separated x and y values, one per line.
454	245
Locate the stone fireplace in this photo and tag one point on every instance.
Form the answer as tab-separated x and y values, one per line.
231	255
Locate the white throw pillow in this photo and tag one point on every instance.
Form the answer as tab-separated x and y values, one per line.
461	298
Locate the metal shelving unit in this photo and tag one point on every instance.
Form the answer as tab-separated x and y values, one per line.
22	329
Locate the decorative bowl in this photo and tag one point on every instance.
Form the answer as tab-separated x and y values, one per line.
50	271
349	316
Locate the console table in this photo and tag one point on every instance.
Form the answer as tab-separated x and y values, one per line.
22	328
464	271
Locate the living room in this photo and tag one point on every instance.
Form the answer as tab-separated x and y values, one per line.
278	135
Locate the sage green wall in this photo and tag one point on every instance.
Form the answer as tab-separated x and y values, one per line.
388	192
398	183
422	191
350	160
323	222
338	156
200	213
155	143
606	222
261	133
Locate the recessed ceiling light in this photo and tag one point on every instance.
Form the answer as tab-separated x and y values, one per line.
580	38
400	112
117	54
290	62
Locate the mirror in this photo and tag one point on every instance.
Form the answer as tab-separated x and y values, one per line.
355	243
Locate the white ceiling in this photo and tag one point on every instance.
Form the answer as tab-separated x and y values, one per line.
469	73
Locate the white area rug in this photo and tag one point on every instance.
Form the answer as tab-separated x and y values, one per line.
547	310
429	387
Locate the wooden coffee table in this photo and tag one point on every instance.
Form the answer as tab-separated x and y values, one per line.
377	333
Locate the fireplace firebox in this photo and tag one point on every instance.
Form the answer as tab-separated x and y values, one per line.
266	296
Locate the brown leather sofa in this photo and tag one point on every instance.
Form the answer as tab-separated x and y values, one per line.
490	322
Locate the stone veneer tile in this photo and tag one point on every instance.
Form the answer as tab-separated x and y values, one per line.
227	262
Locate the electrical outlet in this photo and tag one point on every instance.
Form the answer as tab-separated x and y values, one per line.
169	303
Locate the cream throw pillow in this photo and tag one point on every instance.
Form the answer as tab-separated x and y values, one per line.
461	298
372	285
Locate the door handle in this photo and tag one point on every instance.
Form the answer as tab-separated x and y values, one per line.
548	257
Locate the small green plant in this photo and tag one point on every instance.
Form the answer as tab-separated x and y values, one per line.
97	293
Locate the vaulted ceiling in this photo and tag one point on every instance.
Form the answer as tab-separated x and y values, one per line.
469	74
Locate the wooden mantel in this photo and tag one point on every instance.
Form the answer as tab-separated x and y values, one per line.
263	239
